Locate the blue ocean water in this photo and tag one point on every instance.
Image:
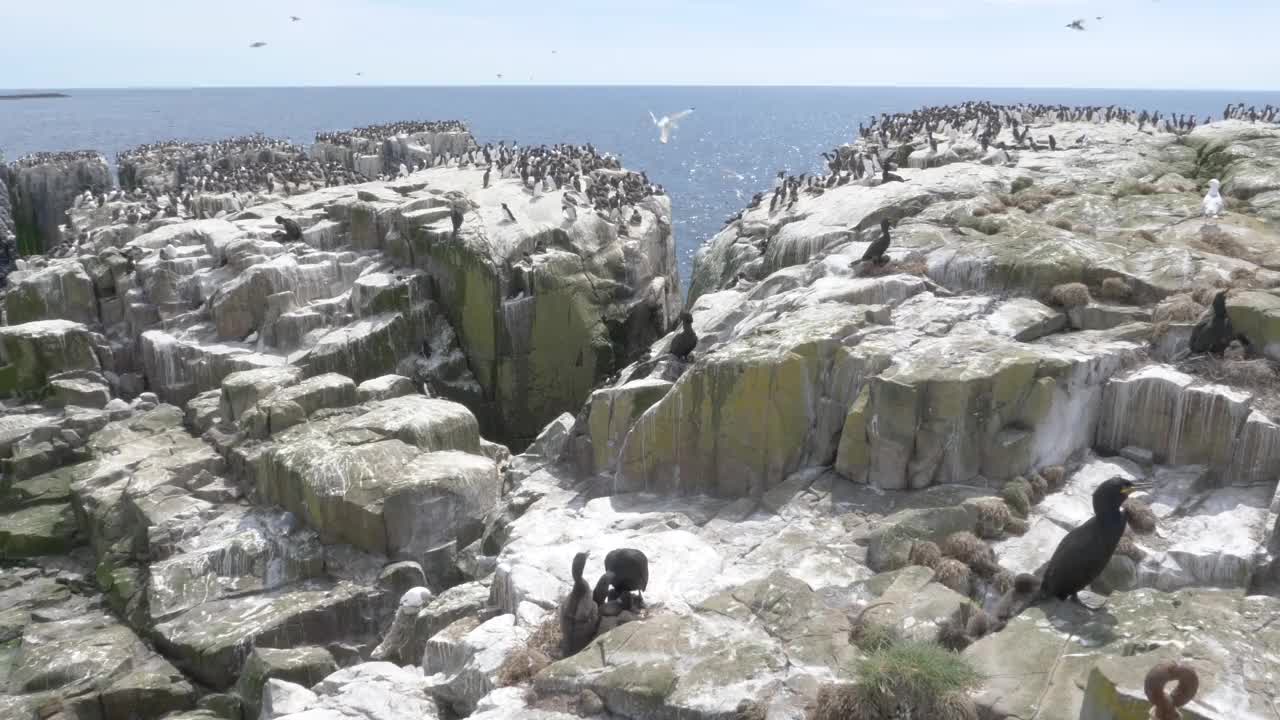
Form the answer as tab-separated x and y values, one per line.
731	147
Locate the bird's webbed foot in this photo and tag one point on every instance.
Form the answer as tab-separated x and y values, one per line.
1091	608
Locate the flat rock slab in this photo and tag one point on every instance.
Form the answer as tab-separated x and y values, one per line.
37	530
210	641
1042	663
373	691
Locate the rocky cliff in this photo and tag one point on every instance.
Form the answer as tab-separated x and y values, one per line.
303	517
8	235
43	187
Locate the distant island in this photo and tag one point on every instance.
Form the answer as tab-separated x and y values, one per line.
32	96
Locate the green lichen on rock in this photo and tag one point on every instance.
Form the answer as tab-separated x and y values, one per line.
37	530
743	418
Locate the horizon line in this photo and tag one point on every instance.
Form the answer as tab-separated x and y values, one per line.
908	86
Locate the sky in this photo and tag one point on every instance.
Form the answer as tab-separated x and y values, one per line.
1167	44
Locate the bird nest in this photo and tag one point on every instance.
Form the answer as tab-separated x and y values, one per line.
1259	376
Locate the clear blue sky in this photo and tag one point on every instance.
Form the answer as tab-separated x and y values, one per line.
1215	44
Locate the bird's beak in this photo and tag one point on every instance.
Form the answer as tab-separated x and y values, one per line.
1127	490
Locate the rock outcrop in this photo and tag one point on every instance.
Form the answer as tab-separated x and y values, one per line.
518	320
44	186
248	476
8	233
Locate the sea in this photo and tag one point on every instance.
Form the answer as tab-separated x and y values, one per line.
732	146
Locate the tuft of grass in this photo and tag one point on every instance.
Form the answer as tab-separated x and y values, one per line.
925	553
1141	517
1054	475
953	574
847	701
1017	494
917	673
1021	183
1216	240
872	637
1178	308
1126	188
1069	295
540	650
1115	289
1039	487
993	516
1030	201
520	666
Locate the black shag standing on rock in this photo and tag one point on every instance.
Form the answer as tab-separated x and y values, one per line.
579	614
627	573
686	340
486	178
1213	333
455	216
888	177
875	252
291	229
1084	553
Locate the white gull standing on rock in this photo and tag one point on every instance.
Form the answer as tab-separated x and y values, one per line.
1213	203
668	123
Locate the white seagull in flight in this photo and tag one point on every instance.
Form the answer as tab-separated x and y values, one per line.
668	123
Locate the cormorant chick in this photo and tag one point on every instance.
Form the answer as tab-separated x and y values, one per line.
291	229
686	340
1084	553
627	571
579	614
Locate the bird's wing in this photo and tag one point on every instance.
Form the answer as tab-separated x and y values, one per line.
677	117
653	118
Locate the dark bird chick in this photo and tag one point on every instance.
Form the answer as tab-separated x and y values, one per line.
626	575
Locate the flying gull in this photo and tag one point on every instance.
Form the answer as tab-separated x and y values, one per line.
668	123
1076	24
257	44
294	18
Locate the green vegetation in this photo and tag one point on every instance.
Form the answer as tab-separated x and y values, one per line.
917	672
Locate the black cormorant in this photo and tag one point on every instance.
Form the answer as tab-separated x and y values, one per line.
455	216
686	340
1084	553
579	614
1213	333
291	229
875	252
